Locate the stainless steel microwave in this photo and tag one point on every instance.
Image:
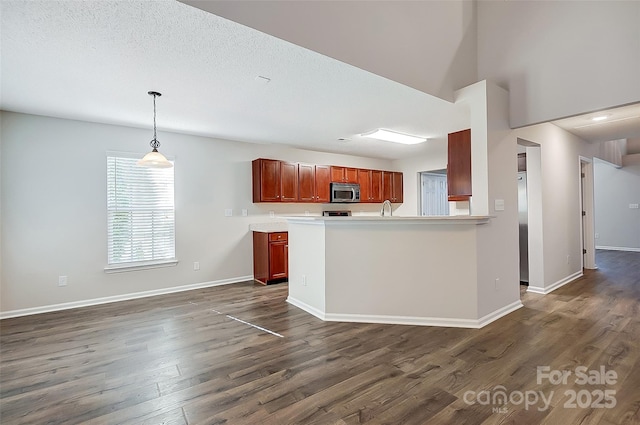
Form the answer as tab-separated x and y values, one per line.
345	192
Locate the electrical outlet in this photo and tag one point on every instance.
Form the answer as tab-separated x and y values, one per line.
245	212
597	235
196	265
304	280
307	213
568	257
272	214
228	212
497	283
62	280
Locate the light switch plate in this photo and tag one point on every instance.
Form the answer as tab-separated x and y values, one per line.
498	204
228	212
633	206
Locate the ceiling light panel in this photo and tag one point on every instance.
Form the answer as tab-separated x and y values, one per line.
394	136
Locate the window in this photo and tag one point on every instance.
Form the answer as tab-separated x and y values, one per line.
140	214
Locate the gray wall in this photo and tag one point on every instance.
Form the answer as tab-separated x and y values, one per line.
54	219
427	45
560	58
617	225
556	58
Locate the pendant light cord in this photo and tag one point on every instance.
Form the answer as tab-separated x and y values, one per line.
155	144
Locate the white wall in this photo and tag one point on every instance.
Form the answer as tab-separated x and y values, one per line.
617	225
560	153
53	214
434	159
497	245
427	45
559	220
560	58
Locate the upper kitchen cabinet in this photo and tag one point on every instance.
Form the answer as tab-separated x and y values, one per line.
323	183
370	185
459	167
392	186
313	183
288	181
344	174
266	180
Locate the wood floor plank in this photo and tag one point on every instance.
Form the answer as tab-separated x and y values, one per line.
184	359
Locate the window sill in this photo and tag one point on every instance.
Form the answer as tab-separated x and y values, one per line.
146	265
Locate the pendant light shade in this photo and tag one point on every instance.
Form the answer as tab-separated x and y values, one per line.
154	159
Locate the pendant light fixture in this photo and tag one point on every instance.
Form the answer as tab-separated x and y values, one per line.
154	159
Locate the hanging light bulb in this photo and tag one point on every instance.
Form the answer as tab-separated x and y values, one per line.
154	159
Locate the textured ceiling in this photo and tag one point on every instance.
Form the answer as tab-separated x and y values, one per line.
95	61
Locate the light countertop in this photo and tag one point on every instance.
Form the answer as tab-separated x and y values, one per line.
269	227
456	219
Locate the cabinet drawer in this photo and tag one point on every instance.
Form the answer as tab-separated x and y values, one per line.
279	236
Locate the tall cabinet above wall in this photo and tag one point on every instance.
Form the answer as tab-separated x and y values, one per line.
459	165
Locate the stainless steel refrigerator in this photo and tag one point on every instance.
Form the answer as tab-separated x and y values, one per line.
523	212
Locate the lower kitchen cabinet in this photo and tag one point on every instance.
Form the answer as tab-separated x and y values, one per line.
270	257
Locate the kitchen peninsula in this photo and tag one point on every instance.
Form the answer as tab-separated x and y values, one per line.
404	270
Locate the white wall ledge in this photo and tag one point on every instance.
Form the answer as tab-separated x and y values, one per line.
355	220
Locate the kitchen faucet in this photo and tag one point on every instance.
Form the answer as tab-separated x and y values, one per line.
384	204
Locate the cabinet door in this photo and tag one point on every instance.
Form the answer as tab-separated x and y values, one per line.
337	174
459	167
387	185
364	180
266	180
278	260
376	186
323	182
288	181
306	183
397	187
351	175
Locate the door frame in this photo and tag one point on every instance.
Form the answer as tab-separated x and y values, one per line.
587	222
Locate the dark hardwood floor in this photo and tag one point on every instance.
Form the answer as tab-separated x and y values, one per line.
185	359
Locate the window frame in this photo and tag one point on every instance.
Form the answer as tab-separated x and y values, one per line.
136	265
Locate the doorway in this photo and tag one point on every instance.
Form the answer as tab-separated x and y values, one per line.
434	200
587	212
530	216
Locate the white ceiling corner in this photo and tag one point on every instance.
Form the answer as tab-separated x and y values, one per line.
95	61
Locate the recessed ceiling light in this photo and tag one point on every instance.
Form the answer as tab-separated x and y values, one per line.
599	118
394	136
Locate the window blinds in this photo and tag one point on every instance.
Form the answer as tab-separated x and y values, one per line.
140	212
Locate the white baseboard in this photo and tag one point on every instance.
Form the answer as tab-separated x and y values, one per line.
306	307
548	289
618	248
116	298
407	320
501	312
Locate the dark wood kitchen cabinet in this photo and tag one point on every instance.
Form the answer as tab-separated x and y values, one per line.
266	180
270	257
283	181
459	167
275	181
288	181
344	174
392	186
370	185
313	183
